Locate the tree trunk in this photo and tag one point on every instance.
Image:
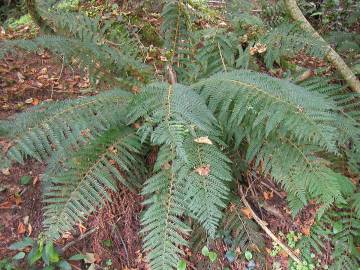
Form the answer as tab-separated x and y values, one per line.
331	55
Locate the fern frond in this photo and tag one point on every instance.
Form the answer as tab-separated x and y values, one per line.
177	116
283	125
176	108
87	175
303	175
165	231
355	202
287	40
260	104
101	60
345	238
176	28
46	128
207	194
217	53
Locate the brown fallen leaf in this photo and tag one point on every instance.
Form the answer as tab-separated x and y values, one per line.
17	199
21	77
44	70
112	162
247	212
112	149
35	102
306	231
5	171
268	195
203	140
29	101
6	205
203	170
35	180
82	228
29	229
163	58
283	254
21	228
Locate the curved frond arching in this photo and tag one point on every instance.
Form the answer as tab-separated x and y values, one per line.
49	127
87	175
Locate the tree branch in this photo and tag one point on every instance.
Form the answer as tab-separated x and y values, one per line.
331	55
268	232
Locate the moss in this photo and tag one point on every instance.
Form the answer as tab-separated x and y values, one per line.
23	20
68	5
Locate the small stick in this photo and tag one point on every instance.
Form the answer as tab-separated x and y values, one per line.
62	68
172	74
267	231
222	58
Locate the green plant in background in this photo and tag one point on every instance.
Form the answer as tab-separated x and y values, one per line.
42	252
210	254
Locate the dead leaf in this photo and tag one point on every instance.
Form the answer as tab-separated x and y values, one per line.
29	101
283	254
36	179
268	195
203	140
247	212
253	50
26	220
5	205
21	228
203	170
90	257
112	149
5	171
35	102
20	77
306	231
112	162
261	48
17	199
163	58
44	70
82	228
29	229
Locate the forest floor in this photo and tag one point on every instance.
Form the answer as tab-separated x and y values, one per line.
112	235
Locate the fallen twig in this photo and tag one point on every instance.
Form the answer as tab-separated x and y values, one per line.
267	231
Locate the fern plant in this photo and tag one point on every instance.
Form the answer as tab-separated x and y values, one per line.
284	128
291	132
